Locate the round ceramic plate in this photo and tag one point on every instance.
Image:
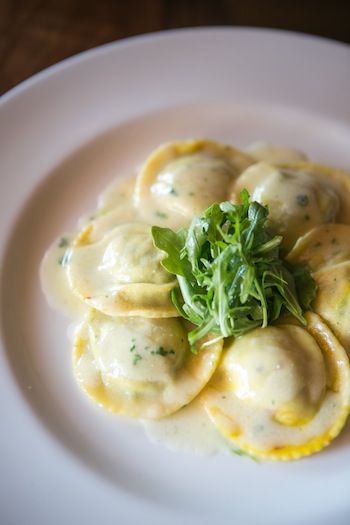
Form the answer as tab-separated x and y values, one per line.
65	134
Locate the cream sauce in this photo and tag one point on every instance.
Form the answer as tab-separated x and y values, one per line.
121	273
333	300
255	424
190	428
138	342
277	368
188	185
181	179
272	366
115	207
145	366
184	187
54	281
264	151
260	430
322	247
298	200
96	367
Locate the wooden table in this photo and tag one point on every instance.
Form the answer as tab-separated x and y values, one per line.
37	33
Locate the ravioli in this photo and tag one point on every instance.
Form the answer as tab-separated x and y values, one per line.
120	273
54	282
332	301
180	179
104	221
322	247
115	206
140	367
264	151
281	392
117	195
300	196
326	250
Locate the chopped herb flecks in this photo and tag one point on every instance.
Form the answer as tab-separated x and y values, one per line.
161	351
161	214
240	452
63	261
286	175
63	242
173	192
136	359
302	200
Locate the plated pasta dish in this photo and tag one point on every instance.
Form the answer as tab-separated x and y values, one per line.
210	294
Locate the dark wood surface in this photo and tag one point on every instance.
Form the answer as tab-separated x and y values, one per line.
37	33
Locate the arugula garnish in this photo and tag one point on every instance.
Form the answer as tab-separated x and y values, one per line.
230	273
243	453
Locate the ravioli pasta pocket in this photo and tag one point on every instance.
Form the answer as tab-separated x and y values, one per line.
278	392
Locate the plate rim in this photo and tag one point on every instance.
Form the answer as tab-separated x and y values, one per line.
72	61
86	54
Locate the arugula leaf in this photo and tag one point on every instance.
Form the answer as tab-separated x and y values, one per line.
230	273
172	244
239	452
306	288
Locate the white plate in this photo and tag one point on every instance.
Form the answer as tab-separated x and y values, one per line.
65	134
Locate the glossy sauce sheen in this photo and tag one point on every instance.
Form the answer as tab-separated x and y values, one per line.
116	207
189	428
